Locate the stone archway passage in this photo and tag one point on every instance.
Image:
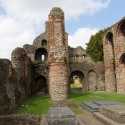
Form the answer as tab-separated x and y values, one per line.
76	80
40	84
92	81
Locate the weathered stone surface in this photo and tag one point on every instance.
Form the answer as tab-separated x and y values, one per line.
96	105
61	116
22	119
115	112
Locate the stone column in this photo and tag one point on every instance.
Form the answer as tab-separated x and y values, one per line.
57	56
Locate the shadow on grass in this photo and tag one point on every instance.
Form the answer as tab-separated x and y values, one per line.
72	95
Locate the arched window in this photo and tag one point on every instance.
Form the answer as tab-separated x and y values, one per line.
44	43
122	28
41	54
42	57
76	56
122	60
83	56
109	38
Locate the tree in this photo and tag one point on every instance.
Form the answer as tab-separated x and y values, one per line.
95	46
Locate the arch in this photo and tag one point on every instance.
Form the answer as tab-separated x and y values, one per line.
122	59
40	84
44	42
41	54
121	28
76	78
109	38
92	80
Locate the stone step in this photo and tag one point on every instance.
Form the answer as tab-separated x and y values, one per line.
100	103
114	112
105	119
90	106
79	121
96	105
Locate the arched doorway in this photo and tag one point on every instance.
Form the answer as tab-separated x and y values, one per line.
40	84
92	80
76	80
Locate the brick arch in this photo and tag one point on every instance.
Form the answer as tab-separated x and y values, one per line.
92	80
77	73
121	28
109	38
40	83
39	53
122	59
109	60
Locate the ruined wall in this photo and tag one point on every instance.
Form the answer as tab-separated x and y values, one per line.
114	51
109	61
78	54
15	81
97	76
21	119
23	68
93	73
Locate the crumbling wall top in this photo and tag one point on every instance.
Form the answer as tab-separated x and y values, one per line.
56	11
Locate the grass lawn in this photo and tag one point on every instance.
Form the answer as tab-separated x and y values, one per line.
36	105
40	104
80	97
74	85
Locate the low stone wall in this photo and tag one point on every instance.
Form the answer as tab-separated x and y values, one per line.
21	119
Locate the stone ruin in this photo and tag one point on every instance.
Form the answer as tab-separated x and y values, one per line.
49	65
114	57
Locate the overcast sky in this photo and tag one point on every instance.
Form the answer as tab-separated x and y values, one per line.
23	20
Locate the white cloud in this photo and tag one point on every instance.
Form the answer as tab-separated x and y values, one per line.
38	10
81	37
23	20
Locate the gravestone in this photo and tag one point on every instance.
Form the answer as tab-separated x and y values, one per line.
61	116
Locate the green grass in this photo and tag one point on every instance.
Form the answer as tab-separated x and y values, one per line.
80	97
74	85
78	111
36	105
40	104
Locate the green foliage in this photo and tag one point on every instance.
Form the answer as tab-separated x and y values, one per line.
95	46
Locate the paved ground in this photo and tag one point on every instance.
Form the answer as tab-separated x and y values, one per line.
88	119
